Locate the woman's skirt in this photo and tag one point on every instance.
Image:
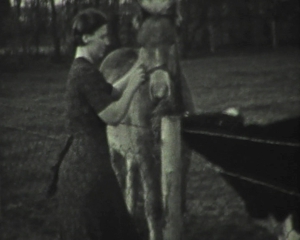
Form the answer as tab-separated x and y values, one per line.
91	204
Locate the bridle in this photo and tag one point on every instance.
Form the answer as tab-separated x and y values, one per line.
163	67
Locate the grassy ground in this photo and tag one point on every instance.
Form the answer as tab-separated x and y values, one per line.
265	87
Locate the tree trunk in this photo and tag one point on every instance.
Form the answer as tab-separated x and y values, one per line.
274	34
184	31
212	43
37	26
211	29
114	30
19	27
5	10
171	177
273	23
97	3
114	25
55	36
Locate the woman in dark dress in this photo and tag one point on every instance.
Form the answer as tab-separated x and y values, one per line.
91	205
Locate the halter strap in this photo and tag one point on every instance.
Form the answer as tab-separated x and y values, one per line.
160	67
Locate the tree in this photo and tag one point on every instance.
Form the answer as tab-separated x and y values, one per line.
54	28
199	15
5	9
19	32
36	16
268	11
114	24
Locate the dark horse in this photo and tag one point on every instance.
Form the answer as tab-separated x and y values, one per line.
260	162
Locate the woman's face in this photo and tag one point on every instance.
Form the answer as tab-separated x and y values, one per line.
98	42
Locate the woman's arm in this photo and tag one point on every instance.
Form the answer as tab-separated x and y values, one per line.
120	85
116	111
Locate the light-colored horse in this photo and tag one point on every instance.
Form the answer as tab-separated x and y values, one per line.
137	138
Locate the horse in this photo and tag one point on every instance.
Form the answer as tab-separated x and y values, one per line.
137	138
244	154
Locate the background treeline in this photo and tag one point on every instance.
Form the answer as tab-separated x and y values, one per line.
41	27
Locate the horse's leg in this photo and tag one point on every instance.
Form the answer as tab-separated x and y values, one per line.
119	146
117	162
131	192
150	178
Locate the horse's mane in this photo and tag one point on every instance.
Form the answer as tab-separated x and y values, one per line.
157	31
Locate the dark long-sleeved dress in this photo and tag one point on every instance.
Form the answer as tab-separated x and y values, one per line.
91	204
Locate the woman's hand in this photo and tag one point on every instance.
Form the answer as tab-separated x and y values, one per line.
137	76
116	111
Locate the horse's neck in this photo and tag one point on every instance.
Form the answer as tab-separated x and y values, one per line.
141	108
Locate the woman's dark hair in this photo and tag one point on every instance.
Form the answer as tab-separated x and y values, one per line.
87	22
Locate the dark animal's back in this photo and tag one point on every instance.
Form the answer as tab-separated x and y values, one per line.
268	154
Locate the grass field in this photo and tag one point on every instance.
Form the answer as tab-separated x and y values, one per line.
265	87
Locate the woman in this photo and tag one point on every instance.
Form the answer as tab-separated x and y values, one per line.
91	204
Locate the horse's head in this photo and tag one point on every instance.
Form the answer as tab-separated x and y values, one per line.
161	94
158	54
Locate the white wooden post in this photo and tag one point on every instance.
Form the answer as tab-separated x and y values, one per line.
171	177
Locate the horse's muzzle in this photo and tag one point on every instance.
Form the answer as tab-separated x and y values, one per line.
160	85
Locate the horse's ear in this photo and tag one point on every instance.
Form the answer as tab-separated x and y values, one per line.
155	7
139	18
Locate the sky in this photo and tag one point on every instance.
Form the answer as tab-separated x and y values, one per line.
23	1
